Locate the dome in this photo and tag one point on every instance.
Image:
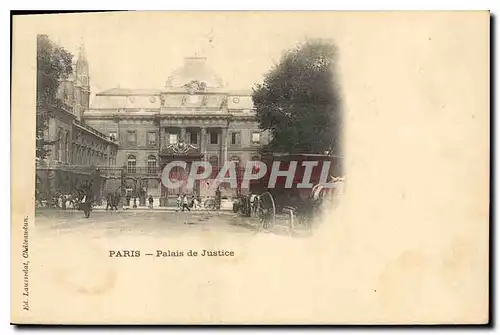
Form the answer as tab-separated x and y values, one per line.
195	69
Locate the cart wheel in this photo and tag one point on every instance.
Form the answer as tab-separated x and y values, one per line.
209	204
266	210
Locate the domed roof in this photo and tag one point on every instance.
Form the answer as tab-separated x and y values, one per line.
194	69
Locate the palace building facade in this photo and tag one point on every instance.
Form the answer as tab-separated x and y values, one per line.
194	117
78	150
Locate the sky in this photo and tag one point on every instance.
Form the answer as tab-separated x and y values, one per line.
140	50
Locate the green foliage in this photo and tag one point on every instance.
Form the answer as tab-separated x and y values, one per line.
299	102
53	66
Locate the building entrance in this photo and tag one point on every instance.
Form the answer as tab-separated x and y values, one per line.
178	175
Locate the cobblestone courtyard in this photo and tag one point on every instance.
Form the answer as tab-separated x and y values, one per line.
142	222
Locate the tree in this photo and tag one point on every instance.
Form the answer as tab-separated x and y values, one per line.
53	66
299	101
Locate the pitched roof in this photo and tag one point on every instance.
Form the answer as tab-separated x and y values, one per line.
127	91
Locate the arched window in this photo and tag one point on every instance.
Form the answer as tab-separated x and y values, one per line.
67	157
89	156
82	156
57	147
78	156
131	164
83	160
151	164
73	154
62	147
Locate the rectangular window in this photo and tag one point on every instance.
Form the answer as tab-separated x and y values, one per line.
151	138
255	138
131	164
151	166
192	137
172	138
235	138
131	137
214	137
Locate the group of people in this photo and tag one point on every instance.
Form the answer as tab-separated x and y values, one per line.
113	199
80	199
61	201
184	202
84	199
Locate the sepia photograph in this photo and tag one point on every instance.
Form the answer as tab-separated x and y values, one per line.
265	157
250	167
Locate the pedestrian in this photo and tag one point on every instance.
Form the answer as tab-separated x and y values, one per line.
63	202
254	202
109	201
115	199
150	199
185	203
128	199
217	198
86	202
179	201
195	202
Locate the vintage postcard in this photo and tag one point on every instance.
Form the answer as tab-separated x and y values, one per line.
250	168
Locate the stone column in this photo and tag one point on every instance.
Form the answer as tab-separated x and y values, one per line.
162	138
183	134
223	145
203	138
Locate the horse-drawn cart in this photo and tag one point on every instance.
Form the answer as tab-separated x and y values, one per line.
316	180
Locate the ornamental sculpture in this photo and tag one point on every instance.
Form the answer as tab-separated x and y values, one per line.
204	100
181	147
223	102
195	86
